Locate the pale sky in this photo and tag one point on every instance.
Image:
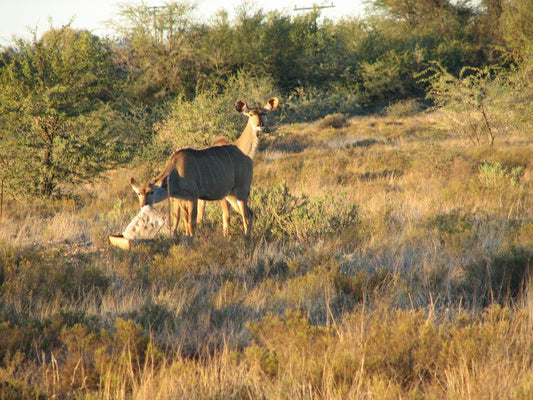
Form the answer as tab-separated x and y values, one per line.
17	17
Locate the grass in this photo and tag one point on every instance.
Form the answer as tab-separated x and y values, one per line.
390	258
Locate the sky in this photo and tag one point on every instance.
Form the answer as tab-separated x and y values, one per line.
19	17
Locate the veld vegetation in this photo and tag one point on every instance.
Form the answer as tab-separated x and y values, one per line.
392	243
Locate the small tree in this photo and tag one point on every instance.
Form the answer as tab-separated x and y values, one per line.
55	118
474	99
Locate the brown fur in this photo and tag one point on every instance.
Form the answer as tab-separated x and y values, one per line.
214	173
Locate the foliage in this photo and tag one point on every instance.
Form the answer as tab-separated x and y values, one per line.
517	26
159	51
56	120
404	108
474	98
281	215
496	176
196	123
311	103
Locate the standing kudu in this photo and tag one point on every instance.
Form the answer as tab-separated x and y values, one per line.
214	173
247	142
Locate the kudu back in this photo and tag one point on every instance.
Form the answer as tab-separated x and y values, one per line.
213	173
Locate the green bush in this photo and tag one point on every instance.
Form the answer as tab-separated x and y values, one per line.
404	108
477	99
496	176
280	215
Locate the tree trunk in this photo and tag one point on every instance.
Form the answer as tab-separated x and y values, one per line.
47	183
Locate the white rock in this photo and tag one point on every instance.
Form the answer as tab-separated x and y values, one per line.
144	225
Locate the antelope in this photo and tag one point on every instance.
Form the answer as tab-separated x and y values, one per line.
247	142
213	173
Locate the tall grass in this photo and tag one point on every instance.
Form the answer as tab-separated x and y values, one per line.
389	259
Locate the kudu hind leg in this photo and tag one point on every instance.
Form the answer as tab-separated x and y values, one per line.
247	217
201	210
242	208
190	221
225	216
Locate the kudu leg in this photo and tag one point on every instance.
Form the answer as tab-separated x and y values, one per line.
201	210
246	217
225	216
242	208
192	213
176	206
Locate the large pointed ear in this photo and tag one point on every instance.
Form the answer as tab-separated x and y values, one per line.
135	186
272	104
241	106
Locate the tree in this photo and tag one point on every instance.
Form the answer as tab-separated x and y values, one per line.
160	51
517	27
56	119
478	100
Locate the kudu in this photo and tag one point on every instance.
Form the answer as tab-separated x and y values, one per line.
214	173
247	142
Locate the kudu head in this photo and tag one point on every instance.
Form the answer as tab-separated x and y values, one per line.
256	115
144	193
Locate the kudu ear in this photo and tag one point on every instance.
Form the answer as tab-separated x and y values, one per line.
272	104
135	186
241	106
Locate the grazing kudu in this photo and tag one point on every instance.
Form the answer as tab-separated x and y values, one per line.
213	173
247	142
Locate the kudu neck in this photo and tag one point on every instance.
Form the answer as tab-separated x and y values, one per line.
248	140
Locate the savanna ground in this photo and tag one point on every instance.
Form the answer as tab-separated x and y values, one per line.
390	258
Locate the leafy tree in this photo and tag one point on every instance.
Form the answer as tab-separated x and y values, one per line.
56	120
517	26
161	51
476	100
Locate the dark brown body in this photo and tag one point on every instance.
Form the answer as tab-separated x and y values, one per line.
214	173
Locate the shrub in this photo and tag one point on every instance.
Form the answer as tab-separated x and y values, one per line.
281	215
310	103
56	103
496	176
388	77
476	100
404	108
335	121
456	229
